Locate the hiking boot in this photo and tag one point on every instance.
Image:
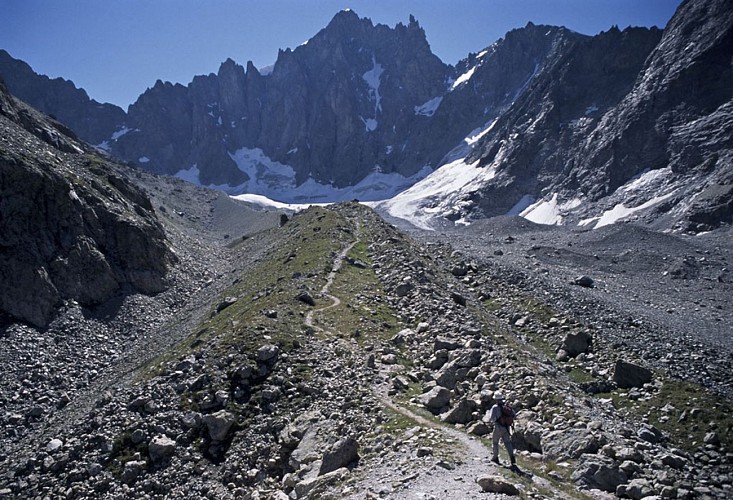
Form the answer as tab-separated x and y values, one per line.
496	460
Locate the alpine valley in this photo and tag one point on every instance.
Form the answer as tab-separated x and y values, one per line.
307	281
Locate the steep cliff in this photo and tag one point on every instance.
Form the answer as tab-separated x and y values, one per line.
71	227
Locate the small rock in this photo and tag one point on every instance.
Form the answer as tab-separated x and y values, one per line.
584	281
160	448
219	424
497	484
306	298
627	375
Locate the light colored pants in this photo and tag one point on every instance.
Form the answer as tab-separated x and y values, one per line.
501	432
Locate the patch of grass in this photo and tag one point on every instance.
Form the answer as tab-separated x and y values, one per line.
363	313
683	411
301	252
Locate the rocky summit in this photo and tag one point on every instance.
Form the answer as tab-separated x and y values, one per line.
163	340
559	127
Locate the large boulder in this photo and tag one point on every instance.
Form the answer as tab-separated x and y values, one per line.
435	399
599	472
460	413
497	484
576	343
627	375
341	454
219	424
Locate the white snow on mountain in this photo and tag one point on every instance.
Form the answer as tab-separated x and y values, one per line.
463	78
550	211
372	78
276	181
439	194
429	108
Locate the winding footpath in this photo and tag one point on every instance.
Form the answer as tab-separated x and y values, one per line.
470	460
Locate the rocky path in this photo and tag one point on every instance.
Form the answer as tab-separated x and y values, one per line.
435	477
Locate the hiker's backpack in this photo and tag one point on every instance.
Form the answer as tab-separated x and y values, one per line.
507	415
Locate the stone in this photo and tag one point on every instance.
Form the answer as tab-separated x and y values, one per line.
132	470
303	488
627	375
712	438
598	472
54	445
343	453
435	399
584	281
445	343
219	424
497	484
227	302
461	413
306	298
403	289
268	354
649	433
576	343
636	489
160	448
458	298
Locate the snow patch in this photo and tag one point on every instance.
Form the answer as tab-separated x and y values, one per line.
369	123
549	212
276	181
441	193
143	159
463	78
523	203
190	175
621	211
646	178
429	108
120	132
372	78
591	109
477	134
104	145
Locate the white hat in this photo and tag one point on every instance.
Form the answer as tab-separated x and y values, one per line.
499	396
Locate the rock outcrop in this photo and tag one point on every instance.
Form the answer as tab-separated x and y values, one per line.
72	227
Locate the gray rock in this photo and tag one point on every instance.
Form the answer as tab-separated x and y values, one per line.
435	399
219	424
341	454
54	445
627	375
598	472
712	438
306	298
497	484
445	343
268	354
650	433
228	301
303	488
584	281
576	343
132	470
636	489
160	448
461	413
571	443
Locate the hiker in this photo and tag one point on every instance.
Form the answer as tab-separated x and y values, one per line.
502	416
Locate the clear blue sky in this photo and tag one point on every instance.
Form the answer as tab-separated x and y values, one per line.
117	49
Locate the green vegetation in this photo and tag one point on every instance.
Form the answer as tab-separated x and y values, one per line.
300	259
683	411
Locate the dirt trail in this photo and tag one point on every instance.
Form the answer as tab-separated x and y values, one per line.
432	479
